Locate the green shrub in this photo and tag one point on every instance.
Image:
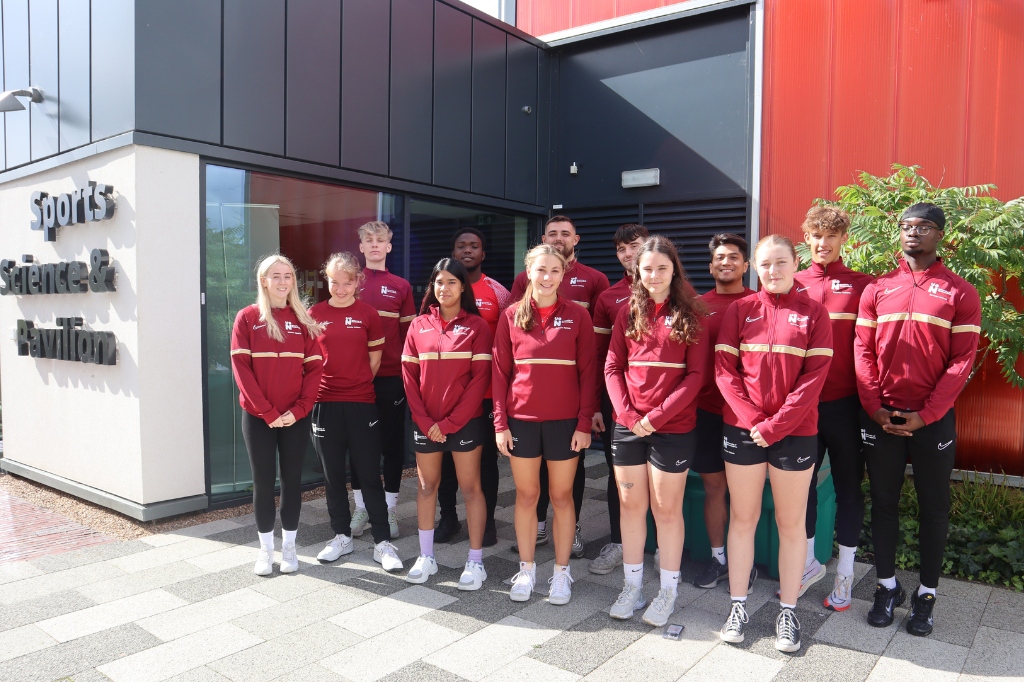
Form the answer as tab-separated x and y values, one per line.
986	532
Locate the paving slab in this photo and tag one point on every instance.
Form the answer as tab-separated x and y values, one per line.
742	665
202	674
487	650
110	614
383	614
202	615
822	662
1005	611
404	644
283	654
41	608
850	629
587	599
210	585
17	570
181	655
759	634
60	581
420	671
313	672
300	612
23	640
913	659
136	583
957	619
87	555
964	589
995	654
288	586
525	669
70	658
158	556
589	643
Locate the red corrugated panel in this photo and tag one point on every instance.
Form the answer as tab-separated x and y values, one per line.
624	7
590	11
550	16
863	90
931	87
796	113
995	105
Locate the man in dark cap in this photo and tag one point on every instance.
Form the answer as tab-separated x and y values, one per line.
917	335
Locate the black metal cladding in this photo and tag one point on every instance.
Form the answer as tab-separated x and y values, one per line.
690	225
412	73
313	81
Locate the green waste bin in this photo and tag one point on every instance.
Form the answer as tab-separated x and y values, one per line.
766	538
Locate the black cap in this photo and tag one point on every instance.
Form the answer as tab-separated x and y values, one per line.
926	211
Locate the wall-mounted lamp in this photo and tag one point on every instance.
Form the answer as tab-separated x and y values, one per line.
574	169
9	100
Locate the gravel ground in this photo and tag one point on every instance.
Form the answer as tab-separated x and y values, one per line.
118	525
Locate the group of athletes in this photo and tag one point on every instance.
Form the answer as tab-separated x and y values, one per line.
735	384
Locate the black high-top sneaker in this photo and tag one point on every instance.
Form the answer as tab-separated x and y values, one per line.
886	601
920	622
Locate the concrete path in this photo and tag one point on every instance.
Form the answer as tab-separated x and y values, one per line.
185	606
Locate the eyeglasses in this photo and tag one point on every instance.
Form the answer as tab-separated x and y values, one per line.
920	229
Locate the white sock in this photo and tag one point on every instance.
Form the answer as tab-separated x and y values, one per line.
718	553
357	495
267	540
669	580
562	569
921	591
288	536
742	600
391	499
787	606
542	525
810	553
846	556
634	574
888	583
530	566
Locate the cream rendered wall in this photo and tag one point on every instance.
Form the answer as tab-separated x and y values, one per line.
86	422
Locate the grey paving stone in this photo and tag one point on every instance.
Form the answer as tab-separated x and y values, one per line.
599	470
850	629
964	589
742	665
821	662
919	658
337	572
297	613
143	581
420	671
88	676
1005	611
589	643
957	620
215	584
241	536
71	658
88	555
202	674
587	599
282	655
996	654
477	610
378	582
41	608
312	673
865	589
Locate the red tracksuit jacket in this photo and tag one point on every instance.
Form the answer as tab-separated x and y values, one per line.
838	288
605	311
710	398
274	377
917	335
581	284
655	376
392	297
771	360
546	373
446	369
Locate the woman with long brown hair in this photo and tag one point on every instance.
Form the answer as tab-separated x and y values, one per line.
545	395
655	369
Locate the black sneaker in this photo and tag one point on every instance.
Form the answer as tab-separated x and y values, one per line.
886	601
921	621
753	577
787	631
447	528
711	575
490	534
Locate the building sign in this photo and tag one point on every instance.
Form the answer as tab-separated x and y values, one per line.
92	202
68	341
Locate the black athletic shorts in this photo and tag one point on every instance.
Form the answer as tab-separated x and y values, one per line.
668	452
708	457
792	453
469	437
551	440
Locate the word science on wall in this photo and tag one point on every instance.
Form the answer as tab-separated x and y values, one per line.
68	341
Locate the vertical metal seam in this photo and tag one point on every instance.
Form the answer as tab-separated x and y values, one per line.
830	97
761	121
896	84
971	6
28	18
58	77
341	82
472	102
222	41
284	103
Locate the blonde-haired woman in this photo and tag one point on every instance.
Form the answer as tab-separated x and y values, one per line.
545	395
345	418
277	365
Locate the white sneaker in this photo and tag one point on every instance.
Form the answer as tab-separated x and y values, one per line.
630	599
561	588
360	518
473	576
523	583
385	554
289	558
609	559
424	567
264	562
393	523
812	574
841	597
661	609
339	546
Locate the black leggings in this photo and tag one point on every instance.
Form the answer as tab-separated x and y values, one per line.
391	408
933	450
449	484
353	428
839	433
614	505
265	445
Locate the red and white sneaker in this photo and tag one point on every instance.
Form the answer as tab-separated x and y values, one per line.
841	597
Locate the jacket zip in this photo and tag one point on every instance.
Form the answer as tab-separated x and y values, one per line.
771	351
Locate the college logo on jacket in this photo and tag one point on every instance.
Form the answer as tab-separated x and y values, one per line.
385	290
292	328
563	323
